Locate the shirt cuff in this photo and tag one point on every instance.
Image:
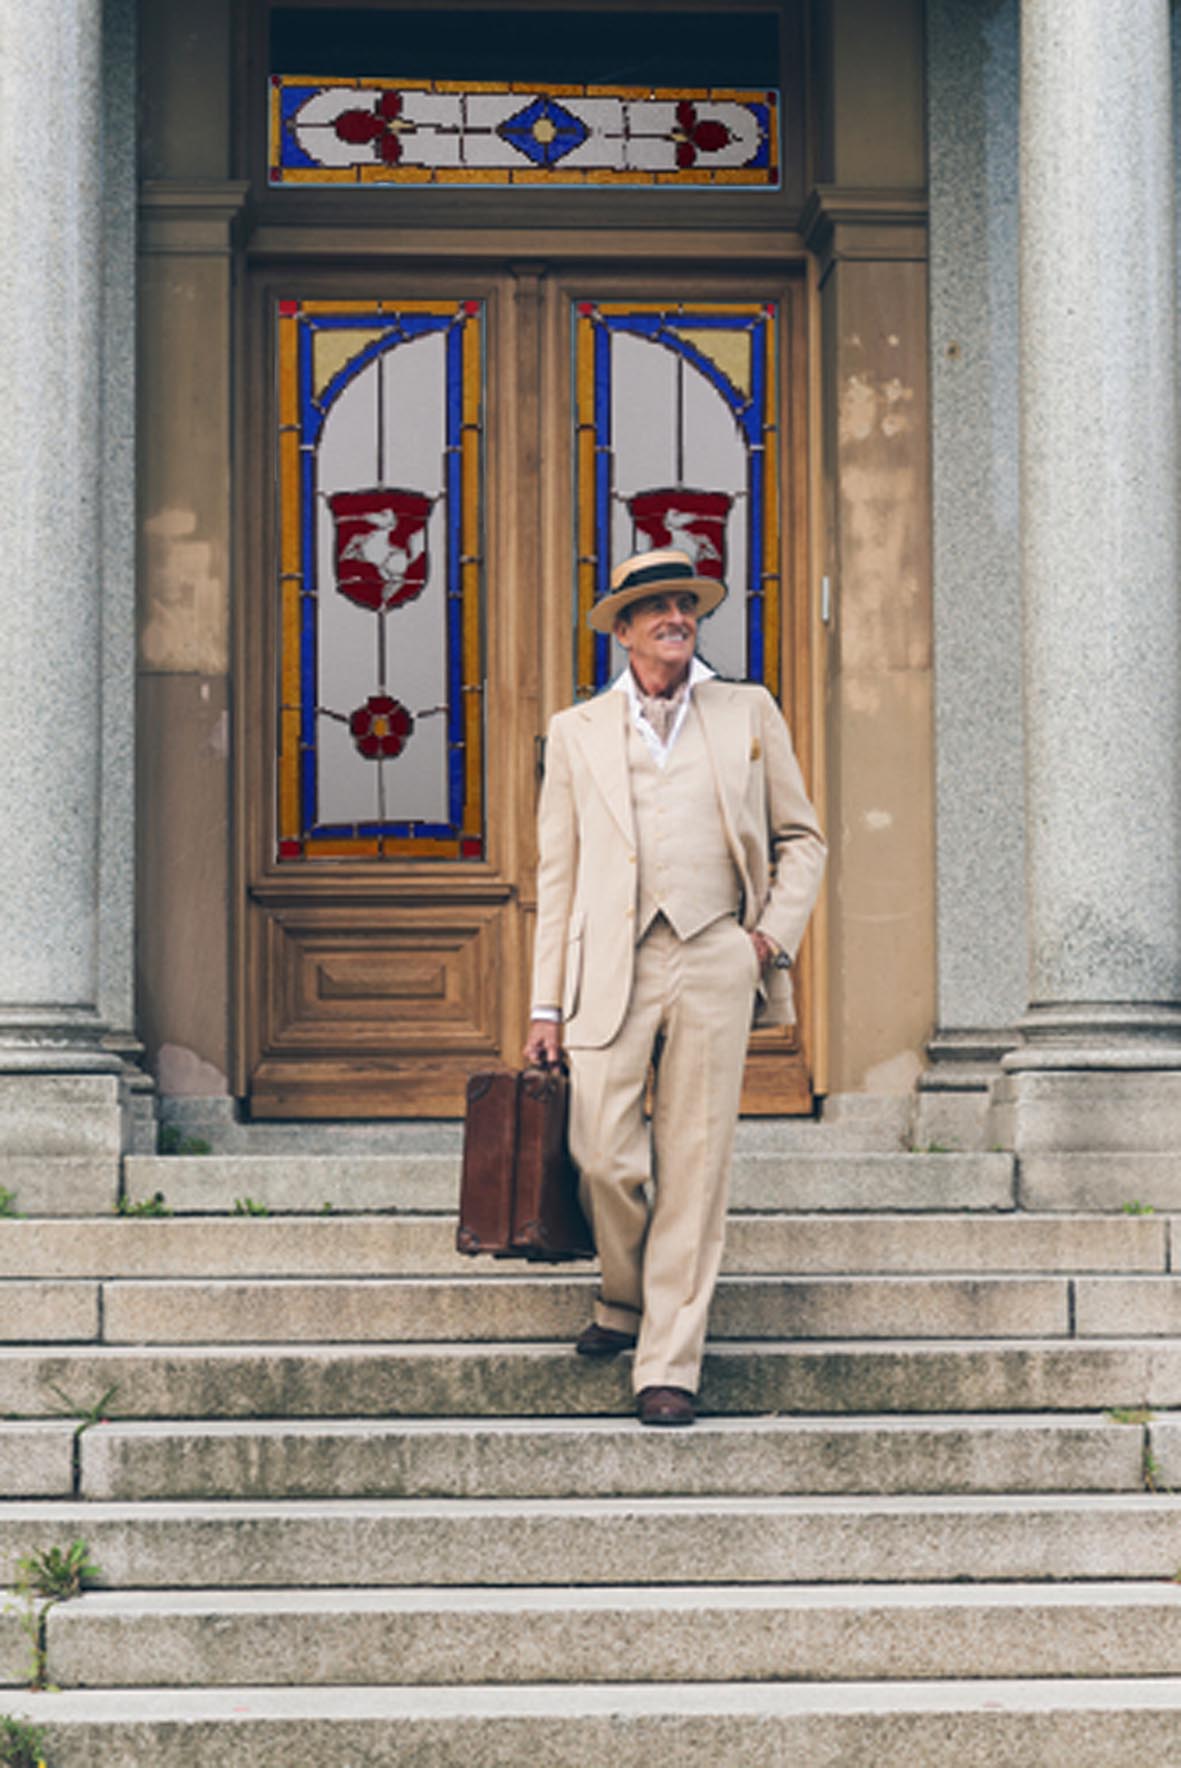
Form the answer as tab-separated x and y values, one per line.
553	1014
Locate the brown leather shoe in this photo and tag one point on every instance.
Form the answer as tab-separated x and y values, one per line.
665	1405
602	1341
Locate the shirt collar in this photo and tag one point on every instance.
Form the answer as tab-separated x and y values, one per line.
625	681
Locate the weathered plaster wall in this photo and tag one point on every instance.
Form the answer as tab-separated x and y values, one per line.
870	66
877	476
880	775
184	546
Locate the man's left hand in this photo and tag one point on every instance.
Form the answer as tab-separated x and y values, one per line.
763	947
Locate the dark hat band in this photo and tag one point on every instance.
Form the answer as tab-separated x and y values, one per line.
654	574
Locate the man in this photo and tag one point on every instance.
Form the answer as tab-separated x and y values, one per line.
679	859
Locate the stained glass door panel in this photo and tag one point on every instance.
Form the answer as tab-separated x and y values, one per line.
380	488
676	413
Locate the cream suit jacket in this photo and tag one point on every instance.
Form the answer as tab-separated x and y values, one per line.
586	877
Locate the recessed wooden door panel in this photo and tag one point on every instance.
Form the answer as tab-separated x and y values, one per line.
384	980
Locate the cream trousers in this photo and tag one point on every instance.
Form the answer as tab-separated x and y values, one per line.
691	1002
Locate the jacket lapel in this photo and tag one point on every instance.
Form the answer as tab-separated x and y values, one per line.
603	734
725	744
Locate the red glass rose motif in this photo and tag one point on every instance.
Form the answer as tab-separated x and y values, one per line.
694	136
381	546
380	125
692	521
381	728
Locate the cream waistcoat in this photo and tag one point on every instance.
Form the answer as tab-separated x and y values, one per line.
686	870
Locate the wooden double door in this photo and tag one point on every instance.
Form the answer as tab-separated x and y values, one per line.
457	462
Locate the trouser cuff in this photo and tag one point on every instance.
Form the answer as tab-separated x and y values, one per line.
615	1318
683	1375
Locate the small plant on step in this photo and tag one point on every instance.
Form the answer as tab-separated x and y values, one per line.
147	1206
1136	1208
1152	1472
44	1578
248	1206
21	1745
171	1139
8	1204
58	1573
1130	1415
86	1415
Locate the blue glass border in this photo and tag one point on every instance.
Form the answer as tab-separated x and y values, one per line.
313	412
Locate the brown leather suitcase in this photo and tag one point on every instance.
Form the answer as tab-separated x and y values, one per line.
519	1193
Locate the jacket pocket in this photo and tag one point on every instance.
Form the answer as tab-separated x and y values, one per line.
572	980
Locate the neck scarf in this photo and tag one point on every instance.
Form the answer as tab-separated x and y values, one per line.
660	710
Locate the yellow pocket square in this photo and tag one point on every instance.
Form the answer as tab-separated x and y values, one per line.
756	750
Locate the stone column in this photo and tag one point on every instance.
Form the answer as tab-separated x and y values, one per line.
972	107
59	1088
1100	1067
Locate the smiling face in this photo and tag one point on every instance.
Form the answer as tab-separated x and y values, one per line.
659	634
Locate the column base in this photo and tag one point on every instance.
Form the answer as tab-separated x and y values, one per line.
141	1128
1091	1105
951	1108
62	1118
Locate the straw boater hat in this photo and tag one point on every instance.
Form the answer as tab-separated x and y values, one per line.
653	573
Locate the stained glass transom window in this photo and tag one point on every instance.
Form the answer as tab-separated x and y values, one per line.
380	514
377	131
677	444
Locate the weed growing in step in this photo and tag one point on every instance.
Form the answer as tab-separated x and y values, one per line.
1130	1415
8	1204
42	1580
147	1206
1152	1471
86	1415
327	1208
58	1573
171	1139
1135	1208
21	1745
248	1206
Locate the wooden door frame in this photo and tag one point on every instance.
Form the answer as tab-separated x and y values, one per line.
527	276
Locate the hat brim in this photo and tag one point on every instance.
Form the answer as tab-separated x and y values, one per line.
606	611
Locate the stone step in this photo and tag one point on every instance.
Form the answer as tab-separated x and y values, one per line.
546	1380
495	1307
976	1723
465	1309
599	1457
424	1245
849	1123
307	1184
666	1633
876	1539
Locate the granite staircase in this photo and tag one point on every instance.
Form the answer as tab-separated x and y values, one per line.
354	1501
